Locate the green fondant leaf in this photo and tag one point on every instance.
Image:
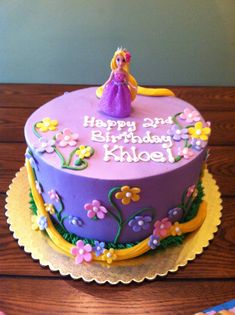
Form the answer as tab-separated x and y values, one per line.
171	240
178	158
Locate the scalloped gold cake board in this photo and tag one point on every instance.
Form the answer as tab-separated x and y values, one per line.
148	266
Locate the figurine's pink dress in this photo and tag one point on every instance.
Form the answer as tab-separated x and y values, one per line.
116	98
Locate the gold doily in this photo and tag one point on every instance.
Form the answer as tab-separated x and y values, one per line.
148	266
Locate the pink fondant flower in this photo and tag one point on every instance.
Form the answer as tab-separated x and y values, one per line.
187	153
95	210
82	252
67	137
128	56
190	190
53	195
190	116
161	227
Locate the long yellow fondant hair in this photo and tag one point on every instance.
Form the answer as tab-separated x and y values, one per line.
131	79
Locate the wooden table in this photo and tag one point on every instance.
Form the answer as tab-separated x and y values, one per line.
27	288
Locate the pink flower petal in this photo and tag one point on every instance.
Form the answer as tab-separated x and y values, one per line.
63	143
87	257
88	206
197	118
100	214
163	232
90	214
59	136
79	259
80	244
74	251
103	209
72	143
67	132
189	120
96	203
88	248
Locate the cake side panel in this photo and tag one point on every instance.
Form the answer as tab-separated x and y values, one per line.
77	196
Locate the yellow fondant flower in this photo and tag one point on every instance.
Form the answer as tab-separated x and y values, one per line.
175	229
199	132
35	225
127	194
47	124
83	152
49	208
109	255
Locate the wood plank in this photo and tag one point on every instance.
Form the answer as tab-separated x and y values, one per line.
221	164
217	261
34	95
26	296
12	123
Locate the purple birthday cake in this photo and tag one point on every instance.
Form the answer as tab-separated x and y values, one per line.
111	187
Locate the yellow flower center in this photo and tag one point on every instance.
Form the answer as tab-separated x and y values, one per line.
198	132
46	123
128	194
109	255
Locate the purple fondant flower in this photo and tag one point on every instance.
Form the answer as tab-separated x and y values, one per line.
82	252
140	223
67	137
95	210
46	145
42	222
198	144
161	227
38	187
75	220
175	214
99	248
178	134
190	116
53	195
154	242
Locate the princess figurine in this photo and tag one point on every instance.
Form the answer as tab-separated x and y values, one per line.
120	89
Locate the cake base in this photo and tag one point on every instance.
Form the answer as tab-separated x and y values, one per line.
148	266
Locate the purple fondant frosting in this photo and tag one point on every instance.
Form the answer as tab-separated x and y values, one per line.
161	181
